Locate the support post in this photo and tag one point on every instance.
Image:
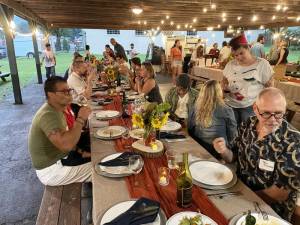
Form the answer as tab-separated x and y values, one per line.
6	15
36	52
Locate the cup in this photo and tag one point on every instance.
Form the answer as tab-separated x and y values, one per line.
172	159
163	176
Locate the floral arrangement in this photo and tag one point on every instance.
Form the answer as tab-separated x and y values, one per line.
153	118
111	73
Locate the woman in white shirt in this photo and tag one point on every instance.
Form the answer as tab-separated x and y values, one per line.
244	78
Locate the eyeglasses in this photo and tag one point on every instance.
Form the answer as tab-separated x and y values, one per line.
66	91
268	115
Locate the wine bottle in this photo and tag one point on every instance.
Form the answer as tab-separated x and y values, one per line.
184	184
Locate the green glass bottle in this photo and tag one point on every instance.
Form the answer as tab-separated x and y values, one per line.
184	184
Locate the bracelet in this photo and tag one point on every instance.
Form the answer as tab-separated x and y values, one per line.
80	122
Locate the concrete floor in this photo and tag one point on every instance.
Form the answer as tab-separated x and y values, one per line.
20	190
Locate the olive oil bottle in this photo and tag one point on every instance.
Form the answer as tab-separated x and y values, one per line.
184	184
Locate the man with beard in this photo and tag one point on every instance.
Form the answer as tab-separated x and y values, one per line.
50	140
267	151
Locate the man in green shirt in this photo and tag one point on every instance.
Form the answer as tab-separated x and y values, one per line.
50	140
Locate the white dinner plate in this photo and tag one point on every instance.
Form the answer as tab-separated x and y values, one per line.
211	173
137	133
272	220
110	132
171	126
175	219
107	114
122	207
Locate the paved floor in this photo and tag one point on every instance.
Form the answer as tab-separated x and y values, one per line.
20	190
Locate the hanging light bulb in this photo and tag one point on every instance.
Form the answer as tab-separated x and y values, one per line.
224	14
167	17
137	10
213	6
186	25
145	22
273	17
278	7
239	18
139	22
223	19
171	23
194	20
204	10
219	26
254	18
162	22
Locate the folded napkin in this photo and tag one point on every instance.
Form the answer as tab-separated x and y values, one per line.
142	212
122	160
165	135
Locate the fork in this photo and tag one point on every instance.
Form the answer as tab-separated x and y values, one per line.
263	213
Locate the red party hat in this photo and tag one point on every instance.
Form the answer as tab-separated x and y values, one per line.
242	40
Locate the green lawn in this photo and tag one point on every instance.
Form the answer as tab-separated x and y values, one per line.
27	70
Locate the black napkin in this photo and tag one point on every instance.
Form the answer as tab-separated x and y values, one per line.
143	211
165	135
122	160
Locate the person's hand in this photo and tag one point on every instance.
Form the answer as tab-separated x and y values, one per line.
220	145
84	112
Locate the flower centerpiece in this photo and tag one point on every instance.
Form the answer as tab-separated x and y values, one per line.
151	119
111	73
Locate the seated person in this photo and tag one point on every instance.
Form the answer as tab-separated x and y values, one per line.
76	58
266	149
145	83
50	141
131	73
211	117
181	98
81	81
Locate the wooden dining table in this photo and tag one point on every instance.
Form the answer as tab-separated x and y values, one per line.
109	191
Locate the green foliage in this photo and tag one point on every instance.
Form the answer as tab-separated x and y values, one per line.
66	46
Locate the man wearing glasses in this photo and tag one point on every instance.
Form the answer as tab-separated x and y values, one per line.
50	140
267	151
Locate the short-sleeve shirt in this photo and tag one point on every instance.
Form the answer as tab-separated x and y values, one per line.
273	160
77	83
49	58
258	50
182	106
225	53
43	153
245	82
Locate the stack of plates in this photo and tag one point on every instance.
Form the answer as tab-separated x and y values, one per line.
212	175
110	132
122	207
171	126
175	219
116	171
272	220
107	114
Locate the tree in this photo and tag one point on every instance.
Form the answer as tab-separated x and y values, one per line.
60	32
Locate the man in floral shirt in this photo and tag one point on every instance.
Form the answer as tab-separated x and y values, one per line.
267	150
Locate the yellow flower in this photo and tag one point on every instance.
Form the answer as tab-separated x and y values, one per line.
137	120
156	123
154	146
165	118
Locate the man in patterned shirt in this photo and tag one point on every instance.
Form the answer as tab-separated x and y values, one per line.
267	150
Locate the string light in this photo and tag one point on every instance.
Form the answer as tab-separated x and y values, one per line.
213	6
254	18
178	27
167	17
278	7
239	18
194	29
223	14
223	19
285	8
145	22
194	20
139	22
230	27
273	17
219	26
171	23
204	10
261	27
186	25
191	26
162	22
209	28
158	28
298	19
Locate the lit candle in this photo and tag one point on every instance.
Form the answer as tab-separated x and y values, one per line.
163	181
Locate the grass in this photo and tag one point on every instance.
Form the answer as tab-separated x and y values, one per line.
27	70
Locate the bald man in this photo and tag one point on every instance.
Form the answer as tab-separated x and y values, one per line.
267	151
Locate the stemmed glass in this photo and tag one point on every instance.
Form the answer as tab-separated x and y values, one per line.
135	166
126	140
81	100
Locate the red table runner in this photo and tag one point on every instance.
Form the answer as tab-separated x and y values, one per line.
145	184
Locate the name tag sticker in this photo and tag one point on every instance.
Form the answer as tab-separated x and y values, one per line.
266	165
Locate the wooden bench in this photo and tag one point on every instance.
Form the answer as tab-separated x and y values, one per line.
61	205
3	75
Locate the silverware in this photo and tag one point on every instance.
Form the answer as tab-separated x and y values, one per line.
224	194
175	140
258	209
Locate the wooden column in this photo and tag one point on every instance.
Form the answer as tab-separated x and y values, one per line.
36	52
5	16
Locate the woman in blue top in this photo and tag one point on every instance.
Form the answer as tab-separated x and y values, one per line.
211	117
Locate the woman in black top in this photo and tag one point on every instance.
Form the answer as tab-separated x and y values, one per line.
284	52
146	84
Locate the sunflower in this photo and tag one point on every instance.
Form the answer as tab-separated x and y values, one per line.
156	123
137	120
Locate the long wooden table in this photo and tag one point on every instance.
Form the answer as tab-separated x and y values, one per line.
109	191
207	73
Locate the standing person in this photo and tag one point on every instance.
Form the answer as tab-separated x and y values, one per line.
119	50
50	141
283	54
197	55
87	57
257	49
274	52
176	60
224	53
50	61
244	77
132	53
266	150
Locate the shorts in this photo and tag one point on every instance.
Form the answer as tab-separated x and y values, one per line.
176	63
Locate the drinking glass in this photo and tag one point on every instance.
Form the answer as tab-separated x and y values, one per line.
163	176
126	140
81	100
135	164
172	158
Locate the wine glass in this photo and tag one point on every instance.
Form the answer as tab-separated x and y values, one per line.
136	164
81	100
126	140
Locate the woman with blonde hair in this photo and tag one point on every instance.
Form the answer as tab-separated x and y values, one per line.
211	117
146	84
